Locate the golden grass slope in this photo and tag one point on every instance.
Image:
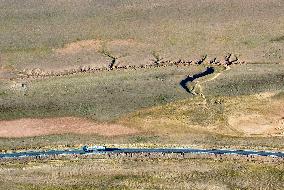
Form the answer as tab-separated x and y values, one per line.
244	116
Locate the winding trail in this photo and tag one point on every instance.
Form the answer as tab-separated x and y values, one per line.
200	87
38	154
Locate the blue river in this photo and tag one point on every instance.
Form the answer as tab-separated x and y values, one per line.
142	150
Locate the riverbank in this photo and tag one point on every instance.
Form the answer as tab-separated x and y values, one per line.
142	172
183	152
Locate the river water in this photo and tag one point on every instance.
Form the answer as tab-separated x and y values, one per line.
142	150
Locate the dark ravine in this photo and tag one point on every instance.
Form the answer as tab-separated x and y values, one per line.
38	154
188	79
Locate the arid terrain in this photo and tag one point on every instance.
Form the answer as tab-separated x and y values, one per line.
142	73
142	173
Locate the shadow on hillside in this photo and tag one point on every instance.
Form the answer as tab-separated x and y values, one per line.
184	82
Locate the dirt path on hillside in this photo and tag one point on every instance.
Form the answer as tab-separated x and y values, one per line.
197	88
40	127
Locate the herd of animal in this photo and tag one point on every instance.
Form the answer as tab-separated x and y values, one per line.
228	60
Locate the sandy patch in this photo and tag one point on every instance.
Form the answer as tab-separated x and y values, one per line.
39	127
265	95
255	124
97	45
6	74
76	47
127	43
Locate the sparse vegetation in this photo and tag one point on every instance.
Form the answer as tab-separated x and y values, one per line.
141	173
247	79
191	121
102	96
138	65
278	39
180	30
